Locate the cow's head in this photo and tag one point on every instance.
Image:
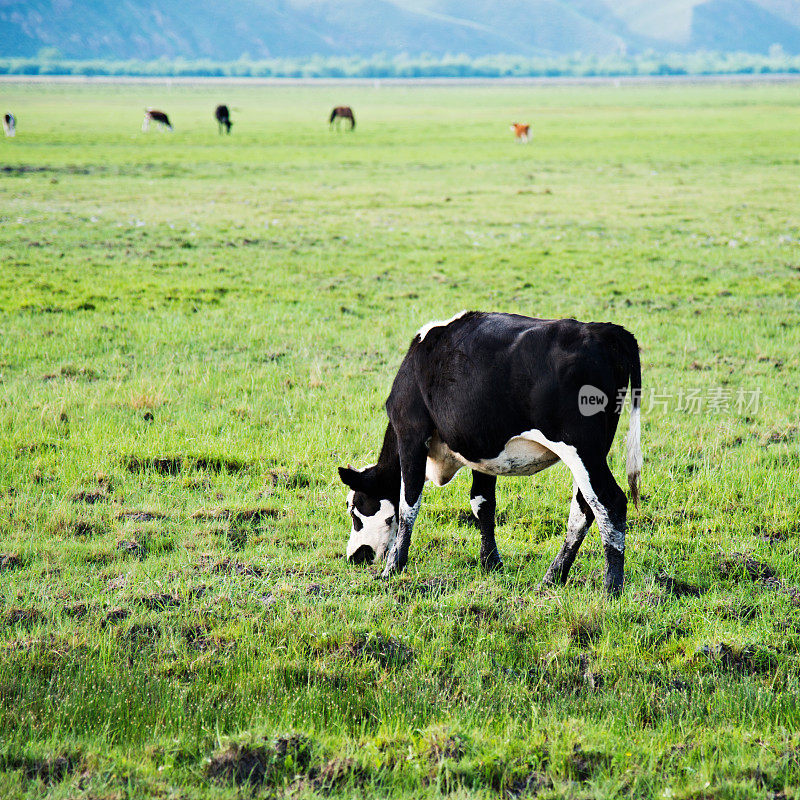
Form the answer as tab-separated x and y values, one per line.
374	515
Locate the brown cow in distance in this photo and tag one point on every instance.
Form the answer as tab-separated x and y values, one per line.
522	131
342	112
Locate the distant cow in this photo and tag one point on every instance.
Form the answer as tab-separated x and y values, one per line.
9	124
522	131
223	117
503	394
342	112
151	115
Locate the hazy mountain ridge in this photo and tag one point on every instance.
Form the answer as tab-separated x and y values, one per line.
295	28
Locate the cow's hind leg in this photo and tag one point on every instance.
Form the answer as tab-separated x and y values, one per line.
580	518
610	507
483	503
606	500
412	480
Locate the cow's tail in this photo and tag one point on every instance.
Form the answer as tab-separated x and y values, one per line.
634	441
333	117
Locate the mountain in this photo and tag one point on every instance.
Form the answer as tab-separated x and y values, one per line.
227	29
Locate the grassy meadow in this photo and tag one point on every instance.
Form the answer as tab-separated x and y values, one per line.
196	330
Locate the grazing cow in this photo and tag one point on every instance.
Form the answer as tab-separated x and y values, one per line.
223	117
522	131
503	394
342	112
151	115
9	124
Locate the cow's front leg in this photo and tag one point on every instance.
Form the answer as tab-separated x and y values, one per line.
482	500
580	518
412	479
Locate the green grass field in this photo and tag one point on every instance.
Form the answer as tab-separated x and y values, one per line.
196	330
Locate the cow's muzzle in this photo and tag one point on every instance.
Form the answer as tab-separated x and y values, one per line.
364	555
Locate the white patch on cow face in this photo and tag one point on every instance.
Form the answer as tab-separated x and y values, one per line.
476	503
439	323
377	531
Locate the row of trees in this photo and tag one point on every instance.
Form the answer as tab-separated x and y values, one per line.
423	66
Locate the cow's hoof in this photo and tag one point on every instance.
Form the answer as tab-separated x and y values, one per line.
553	578
386	574
492	565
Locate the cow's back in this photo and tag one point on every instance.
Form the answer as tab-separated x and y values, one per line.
486	377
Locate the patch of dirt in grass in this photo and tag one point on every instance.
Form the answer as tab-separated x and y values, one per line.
385	650
75	610
159	601
478	611
291	480
200	640
9	561
528	785
114	616
333	775
737	566
780	436
36	447
229	566
25	169
253	515
24	617
677	587
751	660
132	547
453	747
142	633
72	372
49	770
769	535
258	764
583	764
86	528
763	780
174	465
95	495
584	631
139	515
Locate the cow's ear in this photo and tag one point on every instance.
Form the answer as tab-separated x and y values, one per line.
354	478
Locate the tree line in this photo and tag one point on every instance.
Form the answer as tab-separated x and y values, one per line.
423	66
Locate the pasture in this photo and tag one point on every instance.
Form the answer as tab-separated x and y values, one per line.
196	330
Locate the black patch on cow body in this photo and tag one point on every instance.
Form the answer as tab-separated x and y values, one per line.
485	378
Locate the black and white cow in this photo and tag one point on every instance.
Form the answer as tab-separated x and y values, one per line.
9	124
151	115
223	117
503	394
